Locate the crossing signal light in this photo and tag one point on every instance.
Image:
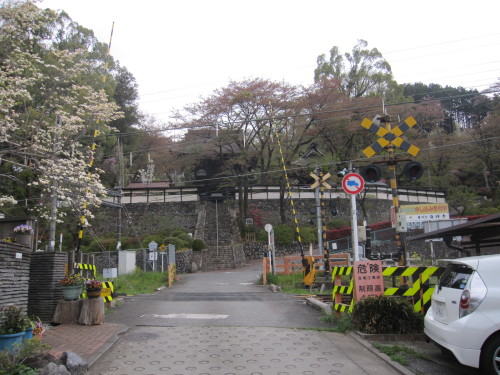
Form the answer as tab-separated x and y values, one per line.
342	173
413	170
371	173
313	220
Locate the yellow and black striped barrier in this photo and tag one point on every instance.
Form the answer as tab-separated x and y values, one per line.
107	286
107	291
420	289
89	267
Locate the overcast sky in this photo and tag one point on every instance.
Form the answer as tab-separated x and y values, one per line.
181	50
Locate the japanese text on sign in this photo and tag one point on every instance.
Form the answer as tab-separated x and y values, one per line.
368	279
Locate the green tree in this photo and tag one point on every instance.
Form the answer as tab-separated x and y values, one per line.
463	108
360	73
461	198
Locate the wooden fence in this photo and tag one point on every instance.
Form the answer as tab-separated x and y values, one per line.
289	264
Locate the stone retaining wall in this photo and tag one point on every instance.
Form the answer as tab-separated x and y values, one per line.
14	274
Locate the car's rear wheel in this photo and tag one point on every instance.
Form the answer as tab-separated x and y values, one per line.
490	357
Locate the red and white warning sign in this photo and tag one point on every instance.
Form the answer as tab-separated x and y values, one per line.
353	183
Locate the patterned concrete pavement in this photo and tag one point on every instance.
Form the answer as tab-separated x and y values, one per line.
216	350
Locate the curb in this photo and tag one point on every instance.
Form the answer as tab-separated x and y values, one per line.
403	370
327	309
318	305
104	348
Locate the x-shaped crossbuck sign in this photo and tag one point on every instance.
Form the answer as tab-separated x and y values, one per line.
389	137
320	181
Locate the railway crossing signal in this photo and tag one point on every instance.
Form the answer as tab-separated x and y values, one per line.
321	180
319	185
389	137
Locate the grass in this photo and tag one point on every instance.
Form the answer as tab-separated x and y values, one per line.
341	324
140	282
399	353
292	283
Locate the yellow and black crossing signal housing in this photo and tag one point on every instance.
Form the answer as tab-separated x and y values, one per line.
371	173
309	270
413	170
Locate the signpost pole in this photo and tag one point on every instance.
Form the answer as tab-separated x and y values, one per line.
354	227
270	245
353	184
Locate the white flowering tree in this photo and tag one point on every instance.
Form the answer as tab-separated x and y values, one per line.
50	107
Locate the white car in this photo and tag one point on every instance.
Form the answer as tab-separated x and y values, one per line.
464	316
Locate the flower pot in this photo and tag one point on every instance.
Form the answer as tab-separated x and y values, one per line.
7	342
24	239
71	292
93	293
28	334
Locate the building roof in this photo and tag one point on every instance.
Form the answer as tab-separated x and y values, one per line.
483	232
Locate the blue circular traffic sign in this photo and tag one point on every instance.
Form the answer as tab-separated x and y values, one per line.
353	183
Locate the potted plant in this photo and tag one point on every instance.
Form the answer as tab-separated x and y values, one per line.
23	229
14	323
93	288
38	328
72	286
23	234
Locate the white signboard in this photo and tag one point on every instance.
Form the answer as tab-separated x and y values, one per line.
425	212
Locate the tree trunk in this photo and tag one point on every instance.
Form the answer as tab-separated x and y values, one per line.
92	311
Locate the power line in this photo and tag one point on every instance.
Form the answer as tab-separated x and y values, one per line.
312	66
291	116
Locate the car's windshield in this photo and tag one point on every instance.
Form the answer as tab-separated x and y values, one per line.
455	276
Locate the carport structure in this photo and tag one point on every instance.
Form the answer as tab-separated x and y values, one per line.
479	237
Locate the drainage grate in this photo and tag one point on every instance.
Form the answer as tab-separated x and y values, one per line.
140	336
213	297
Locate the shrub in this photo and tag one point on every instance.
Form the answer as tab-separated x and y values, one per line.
156	238
130	242
309	235
186	238
198	245
176	232
283	234
19	361
337	223
177	242
261	235
386	315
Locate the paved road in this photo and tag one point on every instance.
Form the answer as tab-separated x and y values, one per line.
224	323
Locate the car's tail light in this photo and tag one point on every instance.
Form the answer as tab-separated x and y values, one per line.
464	300
472	296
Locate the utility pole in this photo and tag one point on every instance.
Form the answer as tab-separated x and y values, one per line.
121	183
391	164
53	199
